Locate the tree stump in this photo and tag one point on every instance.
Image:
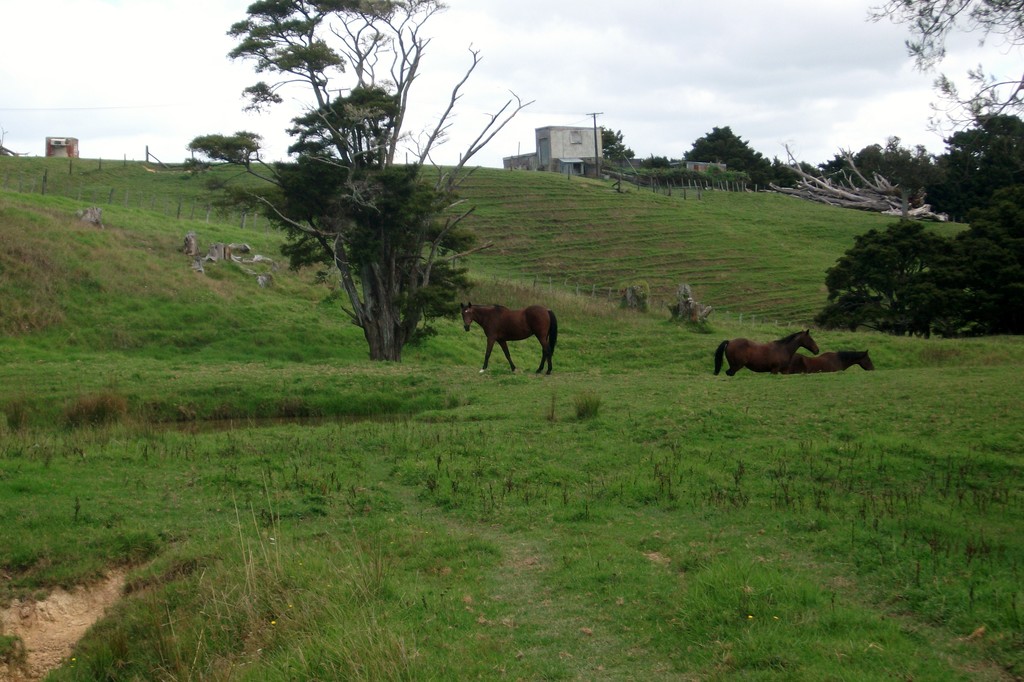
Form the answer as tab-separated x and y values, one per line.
191	247
635	296
93	214
687	309
218	252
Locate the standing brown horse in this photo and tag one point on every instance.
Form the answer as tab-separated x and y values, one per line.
771	357
502	325
836	361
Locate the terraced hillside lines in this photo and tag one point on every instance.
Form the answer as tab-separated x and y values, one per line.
759	253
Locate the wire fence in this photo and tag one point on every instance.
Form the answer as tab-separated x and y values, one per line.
685	187
656	302
181	207
195	209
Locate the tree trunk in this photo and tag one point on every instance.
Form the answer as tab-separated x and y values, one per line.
380	317
384	336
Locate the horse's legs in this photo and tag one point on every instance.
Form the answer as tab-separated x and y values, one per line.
733	367
487	354
504	347
545	354
545	357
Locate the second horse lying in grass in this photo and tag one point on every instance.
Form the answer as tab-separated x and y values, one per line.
835	361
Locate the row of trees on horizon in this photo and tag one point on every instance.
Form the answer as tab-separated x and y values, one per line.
978	161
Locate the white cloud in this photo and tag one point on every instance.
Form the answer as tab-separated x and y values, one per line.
817	76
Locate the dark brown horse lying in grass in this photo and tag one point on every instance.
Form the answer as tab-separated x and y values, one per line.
771	357
829	362
501	324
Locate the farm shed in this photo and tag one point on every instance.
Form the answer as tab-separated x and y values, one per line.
703	166
62	147
561	149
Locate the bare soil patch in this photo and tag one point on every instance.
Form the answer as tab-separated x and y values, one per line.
50	628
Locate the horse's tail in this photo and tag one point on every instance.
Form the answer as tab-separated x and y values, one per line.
552	333
719	354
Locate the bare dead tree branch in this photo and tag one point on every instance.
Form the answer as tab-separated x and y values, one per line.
494	125
470	252
877	194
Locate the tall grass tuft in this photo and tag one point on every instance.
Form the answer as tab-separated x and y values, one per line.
370	573
366	651
587	404
97	408
17	413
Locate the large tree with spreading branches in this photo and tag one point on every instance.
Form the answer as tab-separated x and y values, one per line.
886	281
979	161
722	145
387	229
910	280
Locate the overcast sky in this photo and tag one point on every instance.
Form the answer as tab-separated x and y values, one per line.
815	75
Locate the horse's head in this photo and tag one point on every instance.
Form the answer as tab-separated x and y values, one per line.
807	342
467	314
865	362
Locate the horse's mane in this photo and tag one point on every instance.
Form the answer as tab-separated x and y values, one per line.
790	337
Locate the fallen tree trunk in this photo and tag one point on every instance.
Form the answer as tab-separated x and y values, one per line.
220	252
876	194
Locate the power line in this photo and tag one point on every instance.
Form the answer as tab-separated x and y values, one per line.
133	106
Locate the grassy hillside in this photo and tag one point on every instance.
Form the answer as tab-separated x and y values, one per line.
286	509
758	254
165	190
754	253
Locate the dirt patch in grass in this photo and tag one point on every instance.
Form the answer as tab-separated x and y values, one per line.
49	629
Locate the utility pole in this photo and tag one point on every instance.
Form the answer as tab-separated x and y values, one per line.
597	149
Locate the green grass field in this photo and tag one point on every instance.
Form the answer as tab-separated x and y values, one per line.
288	510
